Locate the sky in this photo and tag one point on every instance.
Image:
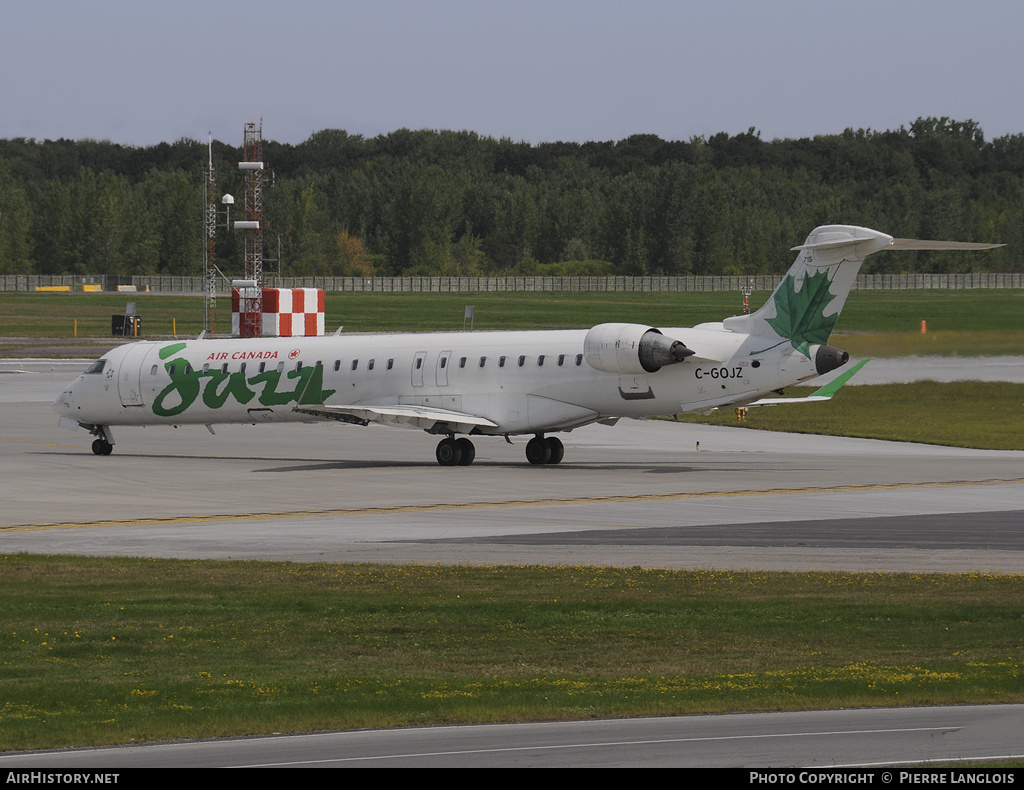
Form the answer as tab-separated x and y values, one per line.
139	73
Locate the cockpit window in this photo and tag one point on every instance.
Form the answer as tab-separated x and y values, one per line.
97	366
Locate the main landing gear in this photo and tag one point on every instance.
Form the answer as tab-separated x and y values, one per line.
455	452
541	450
461	452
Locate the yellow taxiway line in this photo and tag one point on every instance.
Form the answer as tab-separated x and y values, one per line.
441	506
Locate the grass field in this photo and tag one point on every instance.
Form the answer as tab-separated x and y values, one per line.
874	323
988	415
99	650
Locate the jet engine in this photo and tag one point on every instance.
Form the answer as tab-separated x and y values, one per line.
827	358
631	348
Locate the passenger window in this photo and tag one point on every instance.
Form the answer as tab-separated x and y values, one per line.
522	361
337	365
263	366
391	364
482	361
206	368
462	362
561	360
579	360
355	364
223	368
369	365
501	362
152	372
419	363
444	361
280	367
188	369
241	368
171	370
298	366
540	360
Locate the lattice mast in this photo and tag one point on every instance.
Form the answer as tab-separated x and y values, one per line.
210	257
251	319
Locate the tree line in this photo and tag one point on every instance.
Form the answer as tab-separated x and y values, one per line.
455	203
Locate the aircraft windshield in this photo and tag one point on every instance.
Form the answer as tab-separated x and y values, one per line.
97	366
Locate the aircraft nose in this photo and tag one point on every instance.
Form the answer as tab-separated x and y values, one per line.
63	403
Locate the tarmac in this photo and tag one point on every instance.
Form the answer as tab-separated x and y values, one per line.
639	493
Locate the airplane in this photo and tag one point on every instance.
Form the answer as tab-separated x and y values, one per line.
503	383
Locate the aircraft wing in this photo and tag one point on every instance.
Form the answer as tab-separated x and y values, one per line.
427	418
823	393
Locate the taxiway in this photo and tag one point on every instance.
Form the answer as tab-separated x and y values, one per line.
639	493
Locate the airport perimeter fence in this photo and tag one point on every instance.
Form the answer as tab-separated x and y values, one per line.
168	284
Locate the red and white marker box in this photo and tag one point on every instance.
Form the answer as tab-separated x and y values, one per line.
287	312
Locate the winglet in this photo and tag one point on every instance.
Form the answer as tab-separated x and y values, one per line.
833	386
823	393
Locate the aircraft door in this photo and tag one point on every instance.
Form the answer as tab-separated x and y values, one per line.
417	368
442	368
129	375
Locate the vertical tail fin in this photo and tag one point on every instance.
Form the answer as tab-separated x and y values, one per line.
806	305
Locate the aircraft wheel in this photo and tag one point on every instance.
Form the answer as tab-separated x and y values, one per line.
538	451
557	450
449	452
102	447
468	451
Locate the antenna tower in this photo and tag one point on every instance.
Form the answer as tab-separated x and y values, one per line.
210	259
251	323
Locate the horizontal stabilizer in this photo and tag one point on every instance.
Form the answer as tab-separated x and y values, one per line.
924	244
902	244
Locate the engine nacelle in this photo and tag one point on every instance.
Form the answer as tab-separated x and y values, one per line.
828	358
631	348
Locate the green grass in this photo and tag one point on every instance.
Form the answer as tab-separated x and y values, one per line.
98	650
53	315
947	343
956	311
988	415
964	322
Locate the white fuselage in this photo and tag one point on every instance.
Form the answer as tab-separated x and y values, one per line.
493	383
522	382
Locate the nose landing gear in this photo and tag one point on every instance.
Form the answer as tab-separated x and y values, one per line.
104	443
102	447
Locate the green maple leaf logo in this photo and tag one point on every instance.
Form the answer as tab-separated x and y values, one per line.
800	316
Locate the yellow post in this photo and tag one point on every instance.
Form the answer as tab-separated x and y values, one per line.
174	328
76	327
